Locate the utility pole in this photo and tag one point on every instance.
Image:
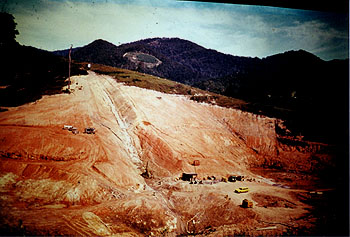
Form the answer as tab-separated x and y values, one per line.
69	58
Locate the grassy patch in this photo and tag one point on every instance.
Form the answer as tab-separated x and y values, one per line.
146	81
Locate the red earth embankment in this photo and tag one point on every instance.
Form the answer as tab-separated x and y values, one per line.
55	182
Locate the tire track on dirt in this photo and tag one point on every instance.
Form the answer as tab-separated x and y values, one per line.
89	101
76	226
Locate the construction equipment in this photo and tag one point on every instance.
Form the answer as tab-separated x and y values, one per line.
195	163
90	130
232	178
67	127
189	176
247	203
74	130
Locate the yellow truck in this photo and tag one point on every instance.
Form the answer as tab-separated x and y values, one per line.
242	190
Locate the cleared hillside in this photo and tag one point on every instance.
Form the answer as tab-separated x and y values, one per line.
125	178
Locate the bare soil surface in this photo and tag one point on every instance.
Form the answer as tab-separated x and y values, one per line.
54	182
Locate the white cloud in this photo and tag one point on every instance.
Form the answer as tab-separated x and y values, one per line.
230	29
314	36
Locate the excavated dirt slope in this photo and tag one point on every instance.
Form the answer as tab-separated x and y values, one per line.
55	182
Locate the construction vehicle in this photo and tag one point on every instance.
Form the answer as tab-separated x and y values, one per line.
74	130
247	203
90	130
189	177
67	127
232	178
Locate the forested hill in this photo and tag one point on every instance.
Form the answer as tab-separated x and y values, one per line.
289	74
182	60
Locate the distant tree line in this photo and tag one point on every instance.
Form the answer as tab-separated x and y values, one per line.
27	72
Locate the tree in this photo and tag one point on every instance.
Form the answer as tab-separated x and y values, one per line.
8	29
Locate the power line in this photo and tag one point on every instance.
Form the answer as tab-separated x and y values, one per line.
69	57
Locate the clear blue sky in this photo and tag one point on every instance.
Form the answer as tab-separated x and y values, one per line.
241	30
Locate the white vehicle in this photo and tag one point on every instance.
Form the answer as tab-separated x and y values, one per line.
67	127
